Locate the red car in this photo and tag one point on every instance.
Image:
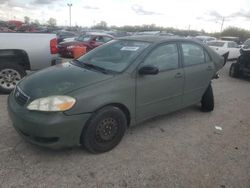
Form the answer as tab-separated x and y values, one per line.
90	41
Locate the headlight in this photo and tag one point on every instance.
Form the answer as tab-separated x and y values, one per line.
52	104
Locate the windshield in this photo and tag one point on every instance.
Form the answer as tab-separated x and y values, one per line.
218	44
116	55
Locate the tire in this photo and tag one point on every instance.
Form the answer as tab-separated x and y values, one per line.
207	101
234	70
104	130
10	75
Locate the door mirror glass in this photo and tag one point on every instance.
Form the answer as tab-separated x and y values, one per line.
148	70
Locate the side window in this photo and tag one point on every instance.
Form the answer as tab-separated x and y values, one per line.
106	39
99	39
193	54
164	57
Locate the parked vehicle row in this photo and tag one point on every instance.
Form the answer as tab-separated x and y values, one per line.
91	101
220	46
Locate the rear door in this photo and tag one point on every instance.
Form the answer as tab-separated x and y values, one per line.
198	70
160	93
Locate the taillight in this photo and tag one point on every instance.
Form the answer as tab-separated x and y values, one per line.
53	46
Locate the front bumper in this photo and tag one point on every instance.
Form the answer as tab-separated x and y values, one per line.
50	129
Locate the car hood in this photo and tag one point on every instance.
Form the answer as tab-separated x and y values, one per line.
59	80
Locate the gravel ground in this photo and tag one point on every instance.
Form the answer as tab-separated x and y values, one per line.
182	149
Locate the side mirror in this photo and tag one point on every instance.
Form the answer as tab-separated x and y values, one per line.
148	70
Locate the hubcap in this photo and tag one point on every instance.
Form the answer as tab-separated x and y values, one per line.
9	78
106	130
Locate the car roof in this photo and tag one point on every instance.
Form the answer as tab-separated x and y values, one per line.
157	39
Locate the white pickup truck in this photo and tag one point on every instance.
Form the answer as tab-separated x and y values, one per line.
221	47
20	52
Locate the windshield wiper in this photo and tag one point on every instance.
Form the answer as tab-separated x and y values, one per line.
95	67
76	61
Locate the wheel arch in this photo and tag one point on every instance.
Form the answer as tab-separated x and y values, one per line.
122	107
15	56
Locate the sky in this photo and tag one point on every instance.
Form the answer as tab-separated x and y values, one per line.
180	14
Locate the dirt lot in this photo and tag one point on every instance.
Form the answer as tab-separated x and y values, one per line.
182	149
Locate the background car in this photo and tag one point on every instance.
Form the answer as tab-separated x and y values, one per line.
90	41
61	35
246	44
221	47
241	68
205	39
230	38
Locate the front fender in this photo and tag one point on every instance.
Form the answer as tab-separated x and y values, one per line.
120	90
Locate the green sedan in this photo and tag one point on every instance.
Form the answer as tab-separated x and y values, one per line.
91	101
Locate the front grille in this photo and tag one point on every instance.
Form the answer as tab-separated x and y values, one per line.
20	96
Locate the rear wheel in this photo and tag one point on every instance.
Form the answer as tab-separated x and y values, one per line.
10	75
207	101
234	70
104	130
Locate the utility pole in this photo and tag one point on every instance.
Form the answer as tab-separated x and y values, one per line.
70	5
222	23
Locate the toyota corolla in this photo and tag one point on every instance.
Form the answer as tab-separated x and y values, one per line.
91	101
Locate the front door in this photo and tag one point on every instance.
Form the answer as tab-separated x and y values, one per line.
160	93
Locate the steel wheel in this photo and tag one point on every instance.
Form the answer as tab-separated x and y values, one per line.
106	130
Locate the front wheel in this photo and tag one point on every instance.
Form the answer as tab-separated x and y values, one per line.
104	130
207	101
10	75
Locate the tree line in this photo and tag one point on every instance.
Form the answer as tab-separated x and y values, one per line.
243	34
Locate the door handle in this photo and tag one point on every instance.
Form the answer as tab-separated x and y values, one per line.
178	75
